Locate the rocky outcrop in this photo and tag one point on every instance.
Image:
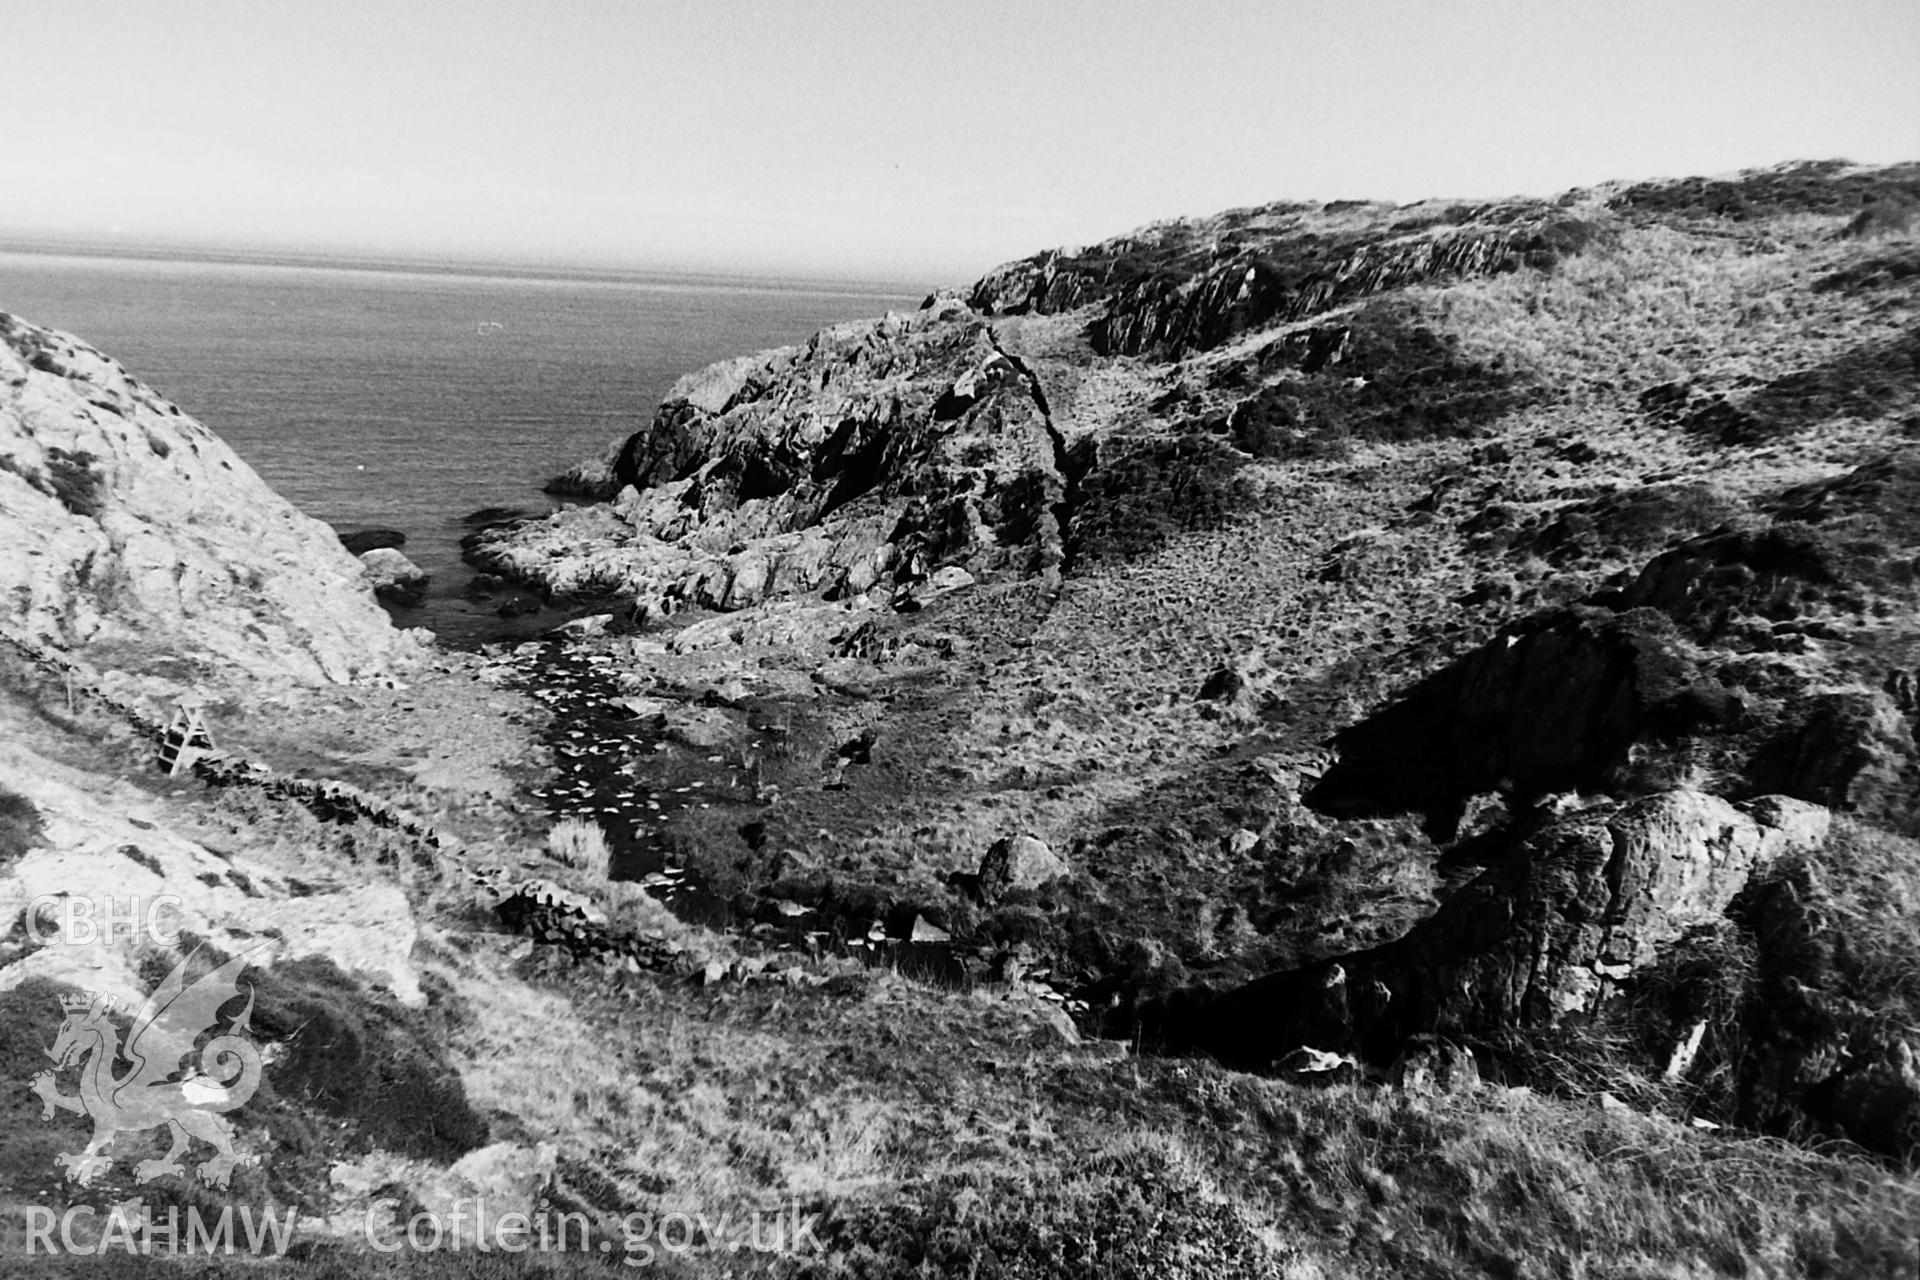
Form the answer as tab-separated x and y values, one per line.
867	458
1019	862
1551	933
1193	285
137	536
1552	705
90	854
1779	654
1833	548
393	577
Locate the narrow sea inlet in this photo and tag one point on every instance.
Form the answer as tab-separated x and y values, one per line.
407	398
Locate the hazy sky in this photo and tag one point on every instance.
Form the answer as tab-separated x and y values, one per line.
917	140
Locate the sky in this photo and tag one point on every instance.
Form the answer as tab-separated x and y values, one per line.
887	140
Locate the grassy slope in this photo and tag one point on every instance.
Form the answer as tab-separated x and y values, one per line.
1333	580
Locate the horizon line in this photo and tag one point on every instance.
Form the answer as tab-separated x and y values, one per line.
399	262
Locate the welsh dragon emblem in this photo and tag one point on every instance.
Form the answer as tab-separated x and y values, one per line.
155	1090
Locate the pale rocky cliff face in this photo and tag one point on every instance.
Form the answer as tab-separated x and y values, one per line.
134	535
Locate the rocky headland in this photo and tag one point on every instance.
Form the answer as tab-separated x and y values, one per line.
1384	736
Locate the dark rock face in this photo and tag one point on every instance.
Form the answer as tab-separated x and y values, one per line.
1634	520
1549	934
1870	380
1774	653
361	541
1877	1103
1809	1038
1770	573
1190	286
1553	707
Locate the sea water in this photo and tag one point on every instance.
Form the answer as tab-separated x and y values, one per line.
408	398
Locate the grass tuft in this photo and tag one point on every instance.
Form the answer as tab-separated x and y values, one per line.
580	844
20	826
75	481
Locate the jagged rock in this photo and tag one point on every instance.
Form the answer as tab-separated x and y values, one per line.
132	530
1056	1027
878	448
800	626
1171	287
1552	931
393	577
925	931
1020	862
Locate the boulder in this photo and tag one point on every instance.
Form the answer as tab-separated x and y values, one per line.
393	577
1551	932
1020	862
925	931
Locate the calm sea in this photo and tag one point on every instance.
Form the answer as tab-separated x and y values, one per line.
407	399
